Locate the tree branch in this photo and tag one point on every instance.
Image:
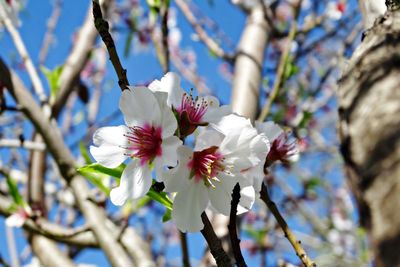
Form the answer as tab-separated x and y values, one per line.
103	29
33	75
65	161
207	40
240	262
281	66
76	60
296	244
249	64
26	144
214	243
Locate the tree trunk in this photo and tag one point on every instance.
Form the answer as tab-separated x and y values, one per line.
369	127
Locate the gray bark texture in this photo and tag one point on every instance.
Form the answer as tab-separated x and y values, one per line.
369	128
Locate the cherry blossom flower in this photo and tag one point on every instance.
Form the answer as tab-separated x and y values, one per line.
282	149
148	138
191	112
334	10
258	153
208	174
18	218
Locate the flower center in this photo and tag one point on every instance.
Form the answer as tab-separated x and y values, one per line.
145	143
195	108
205	165
281	149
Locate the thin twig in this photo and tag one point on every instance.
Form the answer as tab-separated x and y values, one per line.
240	262
30	68
64	158
212	45
49	35
282	66
296	244
214	243
185	249
27	144
164	30
12	247
103	29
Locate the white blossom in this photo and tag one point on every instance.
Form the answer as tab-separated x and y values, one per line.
208	174
148	138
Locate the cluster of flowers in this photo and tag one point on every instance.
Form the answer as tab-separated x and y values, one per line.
228	150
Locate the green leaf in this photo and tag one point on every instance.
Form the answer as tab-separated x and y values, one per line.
307	116
96	168
53	77
13	189
161	198
97	180
290	69
167	215
313	182
128	43
257	235
154	3
84	153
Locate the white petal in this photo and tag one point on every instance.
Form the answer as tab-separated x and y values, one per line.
270	129
170	84
255	176
169	148
113	135
221	195
259	147
135	182
15	220
214	112
231	123
208	138
247	197
168	121
177	179
112	142
140	106
108	156
188	207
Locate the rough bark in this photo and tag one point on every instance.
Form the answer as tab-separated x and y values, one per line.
369	127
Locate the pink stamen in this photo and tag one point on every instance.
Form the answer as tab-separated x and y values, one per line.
194	108
145	143
206	164
281	149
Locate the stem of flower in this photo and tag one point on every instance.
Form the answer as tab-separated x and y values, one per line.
214	243
185	250
232	227
103	29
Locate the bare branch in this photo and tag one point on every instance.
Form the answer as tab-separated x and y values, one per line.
214	243
240	262
207	40
103	29
27	144
300	252
20	46
76	60
65	161
282	65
